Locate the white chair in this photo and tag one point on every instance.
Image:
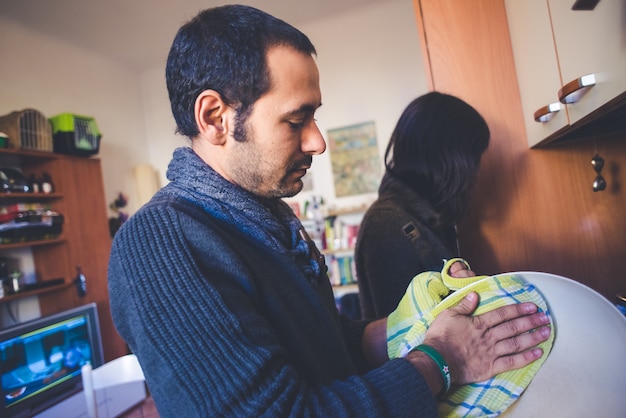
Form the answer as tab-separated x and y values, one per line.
585	374
121	371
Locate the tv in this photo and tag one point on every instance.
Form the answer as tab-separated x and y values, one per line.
41	360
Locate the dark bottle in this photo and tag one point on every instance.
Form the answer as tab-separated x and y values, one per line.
34	184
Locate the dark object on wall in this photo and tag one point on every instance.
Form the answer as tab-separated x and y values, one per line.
81	282
76	135
585	4
114	225
115	222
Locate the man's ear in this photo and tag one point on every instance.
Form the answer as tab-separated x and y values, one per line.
211	115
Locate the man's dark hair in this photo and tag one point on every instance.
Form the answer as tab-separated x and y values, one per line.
436	148
224	49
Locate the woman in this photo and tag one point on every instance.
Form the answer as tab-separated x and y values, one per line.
431	161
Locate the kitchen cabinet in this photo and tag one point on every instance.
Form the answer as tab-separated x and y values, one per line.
84	239
556	48
531	209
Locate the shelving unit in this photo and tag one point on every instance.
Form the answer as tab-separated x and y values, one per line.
341	230
335	235
84	240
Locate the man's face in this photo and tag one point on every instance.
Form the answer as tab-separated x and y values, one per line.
281	135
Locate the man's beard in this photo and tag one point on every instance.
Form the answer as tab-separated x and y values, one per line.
241	134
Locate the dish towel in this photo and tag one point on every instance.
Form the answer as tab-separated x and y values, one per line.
428	294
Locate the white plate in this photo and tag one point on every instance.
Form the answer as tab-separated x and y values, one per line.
585	374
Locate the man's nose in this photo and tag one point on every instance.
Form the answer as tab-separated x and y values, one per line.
313	141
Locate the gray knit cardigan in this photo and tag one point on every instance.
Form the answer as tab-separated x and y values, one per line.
217	295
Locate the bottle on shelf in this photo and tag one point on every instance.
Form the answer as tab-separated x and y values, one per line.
34	184
15	284
46	183
314	214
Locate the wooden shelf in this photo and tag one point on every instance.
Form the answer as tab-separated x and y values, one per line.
344	289
37	243
338	251
348	211
27	293
30	196
40	155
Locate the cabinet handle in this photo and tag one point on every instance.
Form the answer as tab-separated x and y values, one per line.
546	113
575	89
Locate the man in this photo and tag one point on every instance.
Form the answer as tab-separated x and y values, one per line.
217	288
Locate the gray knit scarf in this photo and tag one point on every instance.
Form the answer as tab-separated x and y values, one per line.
269	221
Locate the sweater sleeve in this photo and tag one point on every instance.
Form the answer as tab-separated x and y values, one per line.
353	331
197	355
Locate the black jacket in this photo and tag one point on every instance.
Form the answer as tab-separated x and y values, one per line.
400	236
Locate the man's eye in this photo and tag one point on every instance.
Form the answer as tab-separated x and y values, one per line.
296	125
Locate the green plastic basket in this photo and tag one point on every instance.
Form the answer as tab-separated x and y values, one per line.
75	134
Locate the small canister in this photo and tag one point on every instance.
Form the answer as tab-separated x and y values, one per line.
14	284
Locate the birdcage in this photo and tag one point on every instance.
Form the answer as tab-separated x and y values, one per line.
27	129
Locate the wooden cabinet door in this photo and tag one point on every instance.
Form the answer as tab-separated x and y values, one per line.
554	46
537	67
591	42
532	210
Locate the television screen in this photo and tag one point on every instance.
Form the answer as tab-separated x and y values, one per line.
41	359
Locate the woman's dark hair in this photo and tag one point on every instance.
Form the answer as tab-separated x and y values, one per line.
224	49
435	149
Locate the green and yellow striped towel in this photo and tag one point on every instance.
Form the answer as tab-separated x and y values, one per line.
430	293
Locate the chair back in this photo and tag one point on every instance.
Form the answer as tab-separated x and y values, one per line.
125	369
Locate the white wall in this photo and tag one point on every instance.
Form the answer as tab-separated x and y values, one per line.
160	125
370	64
370	68
53	77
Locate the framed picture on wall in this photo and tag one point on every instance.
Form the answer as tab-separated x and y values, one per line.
354	159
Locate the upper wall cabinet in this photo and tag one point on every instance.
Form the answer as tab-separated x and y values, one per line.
571	64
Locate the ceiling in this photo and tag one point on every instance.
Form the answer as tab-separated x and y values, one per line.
138	33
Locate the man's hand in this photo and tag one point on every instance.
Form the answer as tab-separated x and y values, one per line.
479	347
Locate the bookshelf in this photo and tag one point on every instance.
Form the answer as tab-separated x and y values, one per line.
335	234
